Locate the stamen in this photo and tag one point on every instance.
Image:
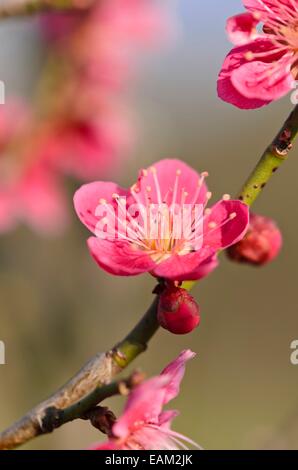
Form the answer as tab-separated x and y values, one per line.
177	436
137	235
178	173
271	11
202	178
156	182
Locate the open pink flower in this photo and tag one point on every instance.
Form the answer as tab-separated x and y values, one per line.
144	425
128	248
263	65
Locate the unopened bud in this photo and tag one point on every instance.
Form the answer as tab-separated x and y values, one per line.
260	245
177	311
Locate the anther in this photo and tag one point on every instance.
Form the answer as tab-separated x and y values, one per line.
249	56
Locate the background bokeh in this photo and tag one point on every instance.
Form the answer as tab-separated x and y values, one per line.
57	308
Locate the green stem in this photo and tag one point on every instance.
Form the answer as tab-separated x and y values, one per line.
136	341
273	157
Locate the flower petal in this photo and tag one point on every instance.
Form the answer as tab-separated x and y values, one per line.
119	258
229	85
226	224
167	180
241	28
203	269
190	267
87	199
267	9
144	405
175	372
166	417
110	444
257	79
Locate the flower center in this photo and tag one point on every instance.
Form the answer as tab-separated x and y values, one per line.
290	34
283	31
173	224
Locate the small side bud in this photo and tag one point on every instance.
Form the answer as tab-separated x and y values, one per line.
260	245
177	311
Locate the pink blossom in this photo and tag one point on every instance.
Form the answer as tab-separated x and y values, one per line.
103	42
168	184
87	148
84	129
33	197
29	190
263	65
144	425
261	244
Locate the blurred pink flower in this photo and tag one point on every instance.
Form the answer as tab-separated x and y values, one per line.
89	128
169	185
29	189
80	126
261	244
263	65
144	425
34	197
86	149
103	43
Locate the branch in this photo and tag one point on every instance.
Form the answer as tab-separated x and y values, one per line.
96	373
86	407
83	389
11	8
273	157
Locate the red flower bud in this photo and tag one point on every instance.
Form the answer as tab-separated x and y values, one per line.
177	311
261	244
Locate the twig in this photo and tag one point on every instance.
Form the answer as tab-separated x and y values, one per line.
99	371
273	157
11	8
86	407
